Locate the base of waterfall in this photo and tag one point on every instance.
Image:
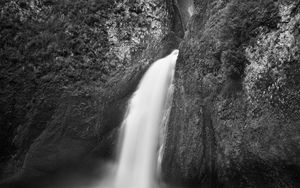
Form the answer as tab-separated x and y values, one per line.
109	180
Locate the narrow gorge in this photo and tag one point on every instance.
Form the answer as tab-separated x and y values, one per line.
70	68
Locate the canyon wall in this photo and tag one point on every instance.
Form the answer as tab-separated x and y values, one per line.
68	69
235	116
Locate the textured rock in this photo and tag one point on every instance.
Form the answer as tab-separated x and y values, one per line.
223	131
77	106
235	116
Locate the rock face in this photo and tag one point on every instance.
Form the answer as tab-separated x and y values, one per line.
235	116
66	82
63	107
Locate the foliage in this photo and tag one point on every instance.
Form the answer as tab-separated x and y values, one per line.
47	46
232	25
234	61
243	21
131	25
274	73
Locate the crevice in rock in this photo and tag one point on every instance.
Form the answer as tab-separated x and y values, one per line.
180	12
209	144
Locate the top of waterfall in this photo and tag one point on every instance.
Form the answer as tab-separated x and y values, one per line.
174	55
175	52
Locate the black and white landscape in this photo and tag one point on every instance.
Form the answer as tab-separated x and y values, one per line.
150	93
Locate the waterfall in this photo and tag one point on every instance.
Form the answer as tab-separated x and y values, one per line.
147	112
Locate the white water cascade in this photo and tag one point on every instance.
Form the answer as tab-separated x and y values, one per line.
147	111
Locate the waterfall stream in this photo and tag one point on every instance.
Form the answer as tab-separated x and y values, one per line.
146	115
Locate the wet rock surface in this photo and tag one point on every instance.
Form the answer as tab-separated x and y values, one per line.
235	115
84	67
234	121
